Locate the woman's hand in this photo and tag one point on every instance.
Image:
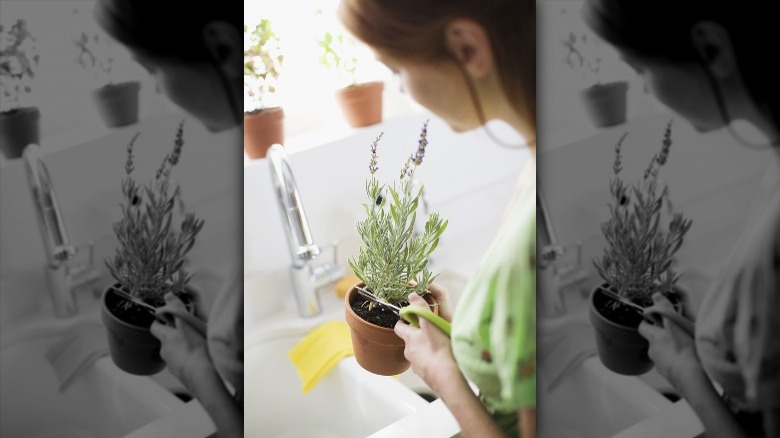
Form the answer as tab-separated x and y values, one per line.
183	348
443	298
671	348
427	347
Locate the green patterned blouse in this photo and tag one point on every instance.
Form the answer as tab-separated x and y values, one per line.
494	325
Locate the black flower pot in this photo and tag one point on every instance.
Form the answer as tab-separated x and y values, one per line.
132	346
620	346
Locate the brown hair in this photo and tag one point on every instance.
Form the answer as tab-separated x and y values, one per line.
414	29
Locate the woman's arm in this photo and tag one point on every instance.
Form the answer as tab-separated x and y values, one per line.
429	351
186	353
674	353
527	419
473	418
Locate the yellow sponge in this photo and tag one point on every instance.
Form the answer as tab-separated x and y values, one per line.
346	282
321	350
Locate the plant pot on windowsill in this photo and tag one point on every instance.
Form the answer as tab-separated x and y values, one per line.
377	348
263	128
19	128
361	103
620	346
132	346
606	103
118	103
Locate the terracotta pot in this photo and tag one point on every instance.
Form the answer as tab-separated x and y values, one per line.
19	128
606	103
377	349
362	103
262	129
132	346
118	103
620	346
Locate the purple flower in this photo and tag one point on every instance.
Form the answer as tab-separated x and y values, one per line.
421	144
372	166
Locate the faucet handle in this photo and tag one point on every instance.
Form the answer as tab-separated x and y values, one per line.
308	252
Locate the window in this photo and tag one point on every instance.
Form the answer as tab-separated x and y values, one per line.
306	87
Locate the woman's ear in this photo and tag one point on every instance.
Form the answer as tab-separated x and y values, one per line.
469	45
225	44
713	44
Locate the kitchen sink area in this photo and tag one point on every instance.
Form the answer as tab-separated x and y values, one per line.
102	402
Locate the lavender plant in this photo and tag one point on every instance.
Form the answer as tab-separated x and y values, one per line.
393	262
639	256
149	261
262	61
18	65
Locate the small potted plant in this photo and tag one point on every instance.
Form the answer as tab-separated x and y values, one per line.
149	262
605	103
361	103
19	123
391	264
263	125
117	103
637	262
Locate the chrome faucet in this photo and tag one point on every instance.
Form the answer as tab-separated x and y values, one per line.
307	277
64	273
556	276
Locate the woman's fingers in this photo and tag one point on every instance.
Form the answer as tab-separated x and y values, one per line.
438	292
648	330
417	300
403	330
160	330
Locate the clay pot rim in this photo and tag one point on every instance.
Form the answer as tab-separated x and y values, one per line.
369	84
608	85
258	112
611	323
352	291
21	111
120	321
120	85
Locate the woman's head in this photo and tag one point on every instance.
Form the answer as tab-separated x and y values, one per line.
466	60
194	53
705	59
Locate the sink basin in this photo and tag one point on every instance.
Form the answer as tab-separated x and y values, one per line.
347	402
103	402
593	402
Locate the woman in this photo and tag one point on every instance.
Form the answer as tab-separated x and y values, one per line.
470	61
708	65
196	57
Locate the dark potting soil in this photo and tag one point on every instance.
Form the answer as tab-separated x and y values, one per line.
129	312
617	312
620	313
140	316
378	315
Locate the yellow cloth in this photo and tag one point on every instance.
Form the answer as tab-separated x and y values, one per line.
346	282
321	350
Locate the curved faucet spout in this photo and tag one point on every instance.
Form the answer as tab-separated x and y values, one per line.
306	277
296	227
50	219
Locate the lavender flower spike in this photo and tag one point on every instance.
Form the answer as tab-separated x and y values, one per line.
421	144
372	166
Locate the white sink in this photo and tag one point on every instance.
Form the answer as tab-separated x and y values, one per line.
593	402
348	402
103	402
